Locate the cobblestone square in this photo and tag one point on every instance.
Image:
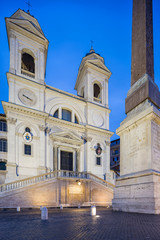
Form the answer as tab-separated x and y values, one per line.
76	224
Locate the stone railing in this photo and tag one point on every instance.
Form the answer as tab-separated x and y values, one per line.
27	73
55	174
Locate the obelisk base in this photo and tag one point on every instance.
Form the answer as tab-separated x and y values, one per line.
138	188
140	194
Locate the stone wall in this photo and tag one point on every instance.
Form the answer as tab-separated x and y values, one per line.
52	193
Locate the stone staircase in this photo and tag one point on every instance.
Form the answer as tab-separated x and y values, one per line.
57	188
51	175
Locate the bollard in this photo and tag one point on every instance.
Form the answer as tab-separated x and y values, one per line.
93	210
18	209
61	206
79	206
44	213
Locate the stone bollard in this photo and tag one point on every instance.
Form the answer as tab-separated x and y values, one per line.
61	206
44	213
93	210
79	206
18	209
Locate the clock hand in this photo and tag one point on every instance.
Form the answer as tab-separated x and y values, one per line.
27	97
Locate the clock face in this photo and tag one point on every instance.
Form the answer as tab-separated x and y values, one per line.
27	97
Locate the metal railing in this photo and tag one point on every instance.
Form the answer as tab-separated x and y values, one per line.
51	175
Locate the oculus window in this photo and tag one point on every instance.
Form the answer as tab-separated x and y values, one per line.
27	129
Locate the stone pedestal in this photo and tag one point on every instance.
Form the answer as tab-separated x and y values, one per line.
137	190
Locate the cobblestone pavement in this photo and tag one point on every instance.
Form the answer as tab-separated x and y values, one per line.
75	224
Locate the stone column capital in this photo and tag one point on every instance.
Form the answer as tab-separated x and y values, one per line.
11	120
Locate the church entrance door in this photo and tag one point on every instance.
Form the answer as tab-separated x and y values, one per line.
66	160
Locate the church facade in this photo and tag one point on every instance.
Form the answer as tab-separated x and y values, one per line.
45	129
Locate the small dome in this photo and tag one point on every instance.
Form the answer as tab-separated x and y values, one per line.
92	51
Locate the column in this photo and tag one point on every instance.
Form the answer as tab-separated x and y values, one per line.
42	145
12	52
59	153
78	160
74	161
55	158
11	163
41	69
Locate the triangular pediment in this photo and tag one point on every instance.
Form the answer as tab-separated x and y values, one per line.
27	25
24	21
22	15
66	136
99	64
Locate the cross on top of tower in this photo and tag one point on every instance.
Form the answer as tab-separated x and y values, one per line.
91	44
29	5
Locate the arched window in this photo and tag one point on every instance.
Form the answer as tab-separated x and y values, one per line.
97	93
3	126
66	115
27	65
56	114
3	164
27	129
76	119
3	145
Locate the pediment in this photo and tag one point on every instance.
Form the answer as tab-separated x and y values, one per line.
99	64
22	15
66	136
21	21
27	25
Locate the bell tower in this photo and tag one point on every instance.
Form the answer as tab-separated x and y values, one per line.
28	47
92	80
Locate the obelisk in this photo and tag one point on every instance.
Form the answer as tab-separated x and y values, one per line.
142	68
138	188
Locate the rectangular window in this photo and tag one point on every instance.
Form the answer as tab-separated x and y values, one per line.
3	126
114	152
27	149
3	145
98	160
3	166
66	115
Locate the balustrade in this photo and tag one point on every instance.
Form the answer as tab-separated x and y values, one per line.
59	173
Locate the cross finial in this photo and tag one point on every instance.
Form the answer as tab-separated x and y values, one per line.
29	5
91	44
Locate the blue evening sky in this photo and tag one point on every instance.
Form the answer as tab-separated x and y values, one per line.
69	26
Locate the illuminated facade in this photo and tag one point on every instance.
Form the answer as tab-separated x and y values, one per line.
49	129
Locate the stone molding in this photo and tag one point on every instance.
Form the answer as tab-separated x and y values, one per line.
11	120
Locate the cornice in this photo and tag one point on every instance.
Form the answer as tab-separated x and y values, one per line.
151	113
76	97
18	108
65	123
25	80
97	129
